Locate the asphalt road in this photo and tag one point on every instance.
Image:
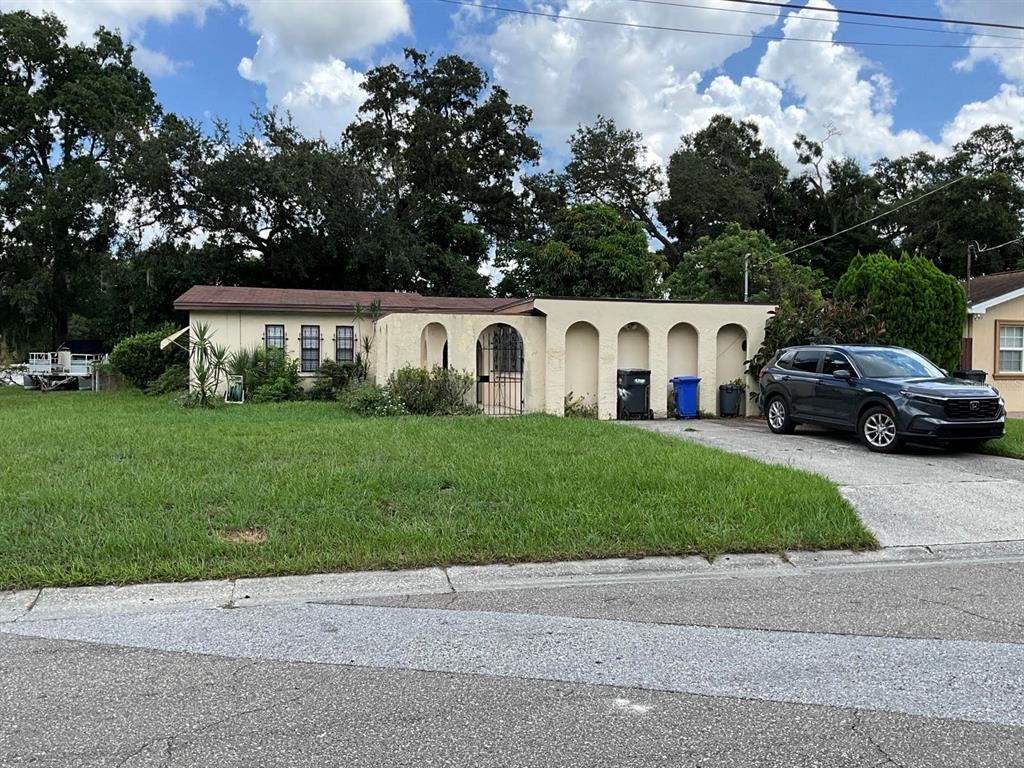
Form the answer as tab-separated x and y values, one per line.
921	496
888	663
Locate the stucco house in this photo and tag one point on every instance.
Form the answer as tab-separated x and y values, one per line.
526	354
994	333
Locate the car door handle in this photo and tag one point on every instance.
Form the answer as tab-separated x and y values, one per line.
784	378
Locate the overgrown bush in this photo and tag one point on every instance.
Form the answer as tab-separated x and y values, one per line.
268	375
576	406
817	322
171	381
371	400
332	379
921	307
140	359
437	392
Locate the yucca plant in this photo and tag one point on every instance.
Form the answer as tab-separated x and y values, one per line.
209	364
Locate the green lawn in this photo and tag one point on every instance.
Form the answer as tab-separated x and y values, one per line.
1012	445
117	488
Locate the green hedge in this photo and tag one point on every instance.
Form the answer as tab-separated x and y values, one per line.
921	307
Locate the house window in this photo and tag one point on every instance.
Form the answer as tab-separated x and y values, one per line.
310	348
273	336
344	344
1011	348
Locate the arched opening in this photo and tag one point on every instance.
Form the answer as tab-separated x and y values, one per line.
682	350
434	346
634	346
731	354
581	364
499	370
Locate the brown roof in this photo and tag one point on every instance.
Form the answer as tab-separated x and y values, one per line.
992	286
281	299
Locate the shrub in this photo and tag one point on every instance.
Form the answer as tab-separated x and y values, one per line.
332	379
576	406
140	359
268	375
921	307
173	380
437	392
817	322
371	400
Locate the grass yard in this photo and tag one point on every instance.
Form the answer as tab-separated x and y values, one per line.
1012	444
118	488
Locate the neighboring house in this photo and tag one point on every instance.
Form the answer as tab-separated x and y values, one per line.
526	354
994	333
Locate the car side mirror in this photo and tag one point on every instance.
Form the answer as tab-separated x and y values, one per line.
843	373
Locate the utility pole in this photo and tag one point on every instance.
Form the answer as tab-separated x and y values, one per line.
746	278
972	249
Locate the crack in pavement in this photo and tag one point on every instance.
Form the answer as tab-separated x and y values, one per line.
859	728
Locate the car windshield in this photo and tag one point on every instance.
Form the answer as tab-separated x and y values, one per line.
894	364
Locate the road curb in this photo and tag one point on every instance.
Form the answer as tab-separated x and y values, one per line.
74	602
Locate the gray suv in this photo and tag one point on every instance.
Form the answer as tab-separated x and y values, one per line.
887	395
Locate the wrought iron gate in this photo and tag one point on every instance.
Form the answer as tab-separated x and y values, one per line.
499	367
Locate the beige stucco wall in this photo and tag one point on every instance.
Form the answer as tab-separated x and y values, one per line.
669	338
982	329
242	330
400	344
694	351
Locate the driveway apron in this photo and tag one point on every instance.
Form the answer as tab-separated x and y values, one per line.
921	496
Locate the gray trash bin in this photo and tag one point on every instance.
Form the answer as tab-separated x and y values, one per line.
729	398
973	375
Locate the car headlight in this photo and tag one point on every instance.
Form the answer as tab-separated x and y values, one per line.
922	398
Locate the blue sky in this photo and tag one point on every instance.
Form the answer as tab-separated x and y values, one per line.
309	56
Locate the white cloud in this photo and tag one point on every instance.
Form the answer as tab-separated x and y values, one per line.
1007	106
128	16
302	50
663	83
1008	60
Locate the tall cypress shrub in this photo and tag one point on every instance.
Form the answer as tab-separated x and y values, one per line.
921	307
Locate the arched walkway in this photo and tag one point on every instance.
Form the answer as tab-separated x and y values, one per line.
499	369
434	346
581	362
634	346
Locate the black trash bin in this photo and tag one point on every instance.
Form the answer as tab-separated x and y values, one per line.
973	375
634	386
729	398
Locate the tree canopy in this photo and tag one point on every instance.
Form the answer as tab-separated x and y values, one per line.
110	208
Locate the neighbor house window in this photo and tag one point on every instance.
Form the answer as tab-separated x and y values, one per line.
1011	348
310	348
273	336
344	344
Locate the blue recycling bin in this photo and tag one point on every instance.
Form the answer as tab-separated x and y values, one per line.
685	388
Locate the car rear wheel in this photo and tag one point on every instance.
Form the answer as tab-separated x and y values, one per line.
878	430
779	420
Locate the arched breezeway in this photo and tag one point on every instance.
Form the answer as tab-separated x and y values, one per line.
500	370
434	346
582	345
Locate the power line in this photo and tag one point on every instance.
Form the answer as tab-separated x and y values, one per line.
775	15
660	28
1001	245
878	14
879	216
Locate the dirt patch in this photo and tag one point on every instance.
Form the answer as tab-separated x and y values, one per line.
245	536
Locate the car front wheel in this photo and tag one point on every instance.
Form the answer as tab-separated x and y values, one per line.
878	430
779	420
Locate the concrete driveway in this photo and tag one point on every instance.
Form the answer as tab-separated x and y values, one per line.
922	496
